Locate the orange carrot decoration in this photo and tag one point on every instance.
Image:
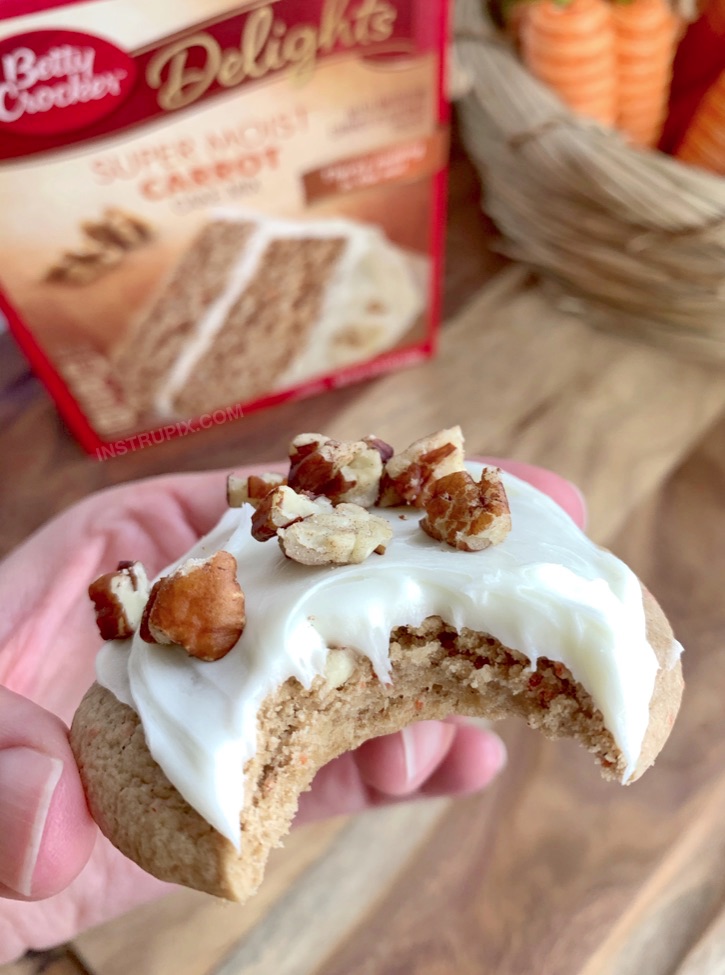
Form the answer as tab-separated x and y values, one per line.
704	141
570	46
646	39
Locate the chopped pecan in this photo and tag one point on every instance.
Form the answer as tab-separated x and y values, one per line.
251	489
339	470
467	515
200	607
345	536
409	476
282	507
119	598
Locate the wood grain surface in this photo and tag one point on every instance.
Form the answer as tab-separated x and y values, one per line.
552	871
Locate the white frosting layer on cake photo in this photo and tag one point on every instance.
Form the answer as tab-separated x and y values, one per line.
207	331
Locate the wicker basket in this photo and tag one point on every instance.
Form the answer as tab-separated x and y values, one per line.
630	239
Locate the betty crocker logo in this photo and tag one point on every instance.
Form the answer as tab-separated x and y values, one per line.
60	80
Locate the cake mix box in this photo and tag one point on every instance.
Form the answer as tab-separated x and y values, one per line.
209	206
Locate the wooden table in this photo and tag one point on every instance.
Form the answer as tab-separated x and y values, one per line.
551	872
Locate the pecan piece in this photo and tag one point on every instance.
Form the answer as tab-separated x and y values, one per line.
343	471
282	507
200	607
119	598
251	489
467	515
409	476
345	536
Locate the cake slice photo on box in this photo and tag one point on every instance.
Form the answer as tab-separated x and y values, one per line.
258	304
359	590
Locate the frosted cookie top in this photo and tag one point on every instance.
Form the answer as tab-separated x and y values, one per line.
530	578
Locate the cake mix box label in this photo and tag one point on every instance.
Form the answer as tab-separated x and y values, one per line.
211	206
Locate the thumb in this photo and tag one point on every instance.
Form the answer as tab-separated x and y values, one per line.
46	832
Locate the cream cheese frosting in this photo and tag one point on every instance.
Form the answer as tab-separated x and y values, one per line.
546	590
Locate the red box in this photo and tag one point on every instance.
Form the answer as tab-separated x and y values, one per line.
209	207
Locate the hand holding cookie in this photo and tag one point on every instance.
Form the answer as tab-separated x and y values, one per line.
49	846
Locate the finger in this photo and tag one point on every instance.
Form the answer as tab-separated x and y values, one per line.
397	765
564	492
390	766
470	758
46	832
465	759
338	790
474	759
